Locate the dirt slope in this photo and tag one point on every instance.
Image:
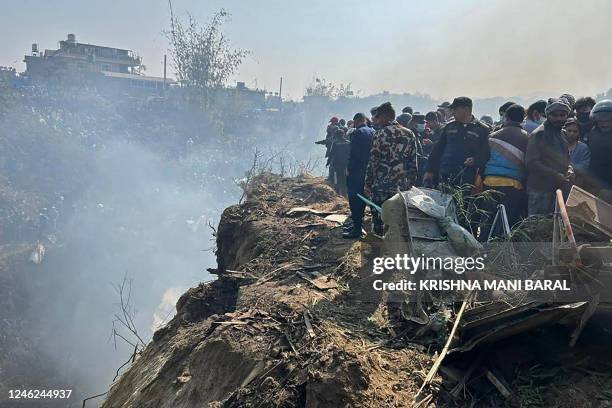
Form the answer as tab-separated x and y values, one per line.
292	322
263	334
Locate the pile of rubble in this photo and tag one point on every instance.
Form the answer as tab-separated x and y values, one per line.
292	321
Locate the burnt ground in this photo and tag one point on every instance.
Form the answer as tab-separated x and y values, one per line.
286	324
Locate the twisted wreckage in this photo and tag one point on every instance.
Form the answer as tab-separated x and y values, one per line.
293	320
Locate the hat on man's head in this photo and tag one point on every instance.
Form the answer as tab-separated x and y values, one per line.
418	117
386	109
487	119
505	106
359	116
445	105
431	116
404	119
571	101
460	102
557	105
333	120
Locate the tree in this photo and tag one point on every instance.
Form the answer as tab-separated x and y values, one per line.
202	55
322	87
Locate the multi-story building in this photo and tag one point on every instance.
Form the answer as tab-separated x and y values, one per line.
74	55
112	69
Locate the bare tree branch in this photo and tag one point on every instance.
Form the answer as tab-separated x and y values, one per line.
126	314
202	55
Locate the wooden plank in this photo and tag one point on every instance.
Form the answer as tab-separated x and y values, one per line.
501	387
309	329
451	336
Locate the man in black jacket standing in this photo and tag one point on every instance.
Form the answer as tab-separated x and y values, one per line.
599	176
462	150
359	155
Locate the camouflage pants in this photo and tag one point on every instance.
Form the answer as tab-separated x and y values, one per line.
379	197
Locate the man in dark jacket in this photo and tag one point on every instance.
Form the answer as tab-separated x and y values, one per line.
419	128
505	173
548	161
462	149
339	154
433	128
535	116
359	155
330	134
599	176
583	108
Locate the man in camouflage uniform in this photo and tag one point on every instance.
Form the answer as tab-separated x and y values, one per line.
393	160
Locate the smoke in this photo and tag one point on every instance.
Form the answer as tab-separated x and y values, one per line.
165	309
141	218
134	220
497	48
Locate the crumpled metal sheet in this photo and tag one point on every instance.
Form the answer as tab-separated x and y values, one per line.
584	207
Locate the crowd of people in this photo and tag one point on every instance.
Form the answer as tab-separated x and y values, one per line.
520	161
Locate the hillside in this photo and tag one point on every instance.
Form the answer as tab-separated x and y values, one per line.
288	323
263	333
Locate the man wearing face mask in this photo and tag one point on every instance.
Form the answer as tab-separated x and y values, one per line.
599	178
462	150
418	127
547	160
535	116
583	108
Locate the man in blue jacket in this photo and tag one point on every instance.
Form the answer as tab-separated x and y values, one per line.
505	172
359	155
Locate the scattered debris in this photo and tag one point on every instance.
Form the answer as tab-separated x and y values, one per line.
451	337
583	208
184	378
501	387
289	323
494	321
320	282
337	218
309	329
308	210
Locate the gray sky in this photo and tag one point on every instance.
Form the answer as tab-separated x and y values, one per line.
444	48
